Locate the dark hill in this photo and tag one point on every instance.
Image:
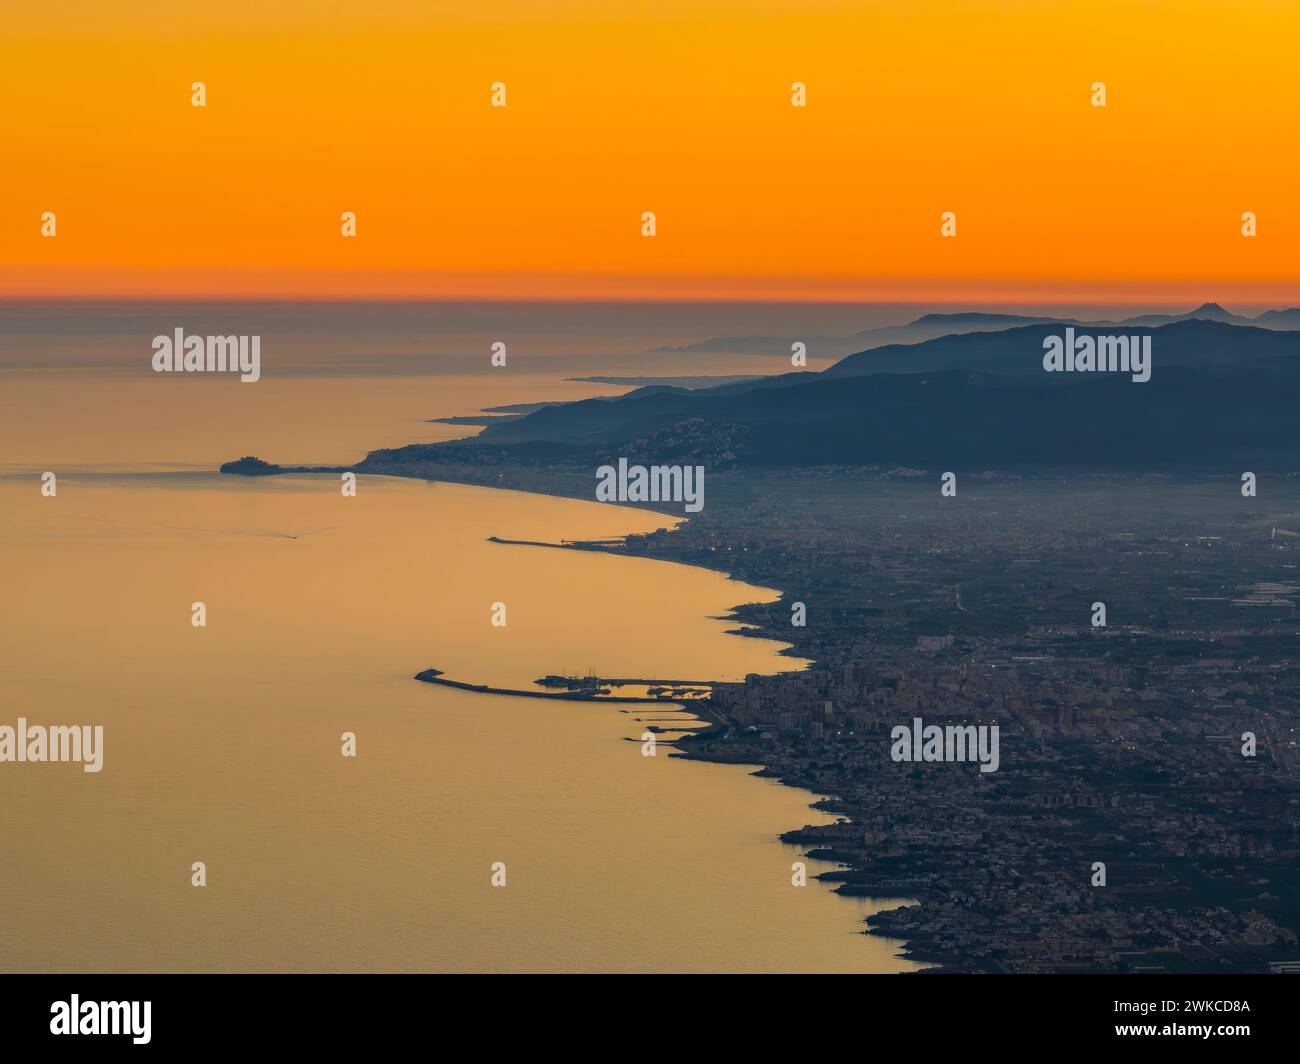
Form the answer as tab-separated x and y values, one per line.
1195	342
1219	396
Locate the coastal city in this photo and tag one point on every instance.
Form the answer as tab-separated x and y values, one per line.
1146	808
1132	637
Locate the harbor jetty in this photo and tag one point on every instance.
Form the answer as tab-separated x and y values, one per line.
576	683
436	676
565	544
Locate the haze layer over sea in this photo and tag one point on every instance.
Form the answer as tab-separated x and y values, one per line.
340	379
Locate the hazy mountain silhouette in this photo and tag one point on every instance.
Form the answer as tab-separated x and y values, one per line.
1186	342
1205	312
1221	396
932	326
1280	319
926	327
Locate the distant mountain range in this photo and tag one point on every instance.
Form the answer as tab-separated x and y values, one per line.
931	326
1221	396
1199	342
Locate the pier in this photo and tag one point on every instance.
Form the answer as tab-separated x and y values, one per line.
435	676
564	544
578	682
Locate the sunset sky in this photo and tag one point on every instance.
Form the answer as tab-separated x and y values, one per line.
681	107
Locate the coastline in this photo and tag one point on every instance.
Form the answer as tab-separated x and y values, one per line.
699	745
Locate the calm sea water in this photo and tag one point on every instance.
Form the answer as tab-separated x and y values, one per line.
222	744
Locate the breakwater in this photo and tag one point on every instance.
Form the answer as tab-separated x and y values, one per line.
435	676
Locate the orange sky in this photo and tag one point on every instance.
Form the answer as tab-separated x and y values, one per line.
915	107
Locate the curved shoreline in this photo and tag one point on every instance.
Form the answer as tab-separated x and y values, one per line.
912	951
851	883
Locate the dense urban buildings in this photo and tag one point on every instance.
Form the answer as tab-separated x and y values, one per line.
1144	814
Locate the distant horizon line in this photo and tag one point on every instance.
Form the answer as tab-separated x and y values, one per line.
1190	303
274	285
